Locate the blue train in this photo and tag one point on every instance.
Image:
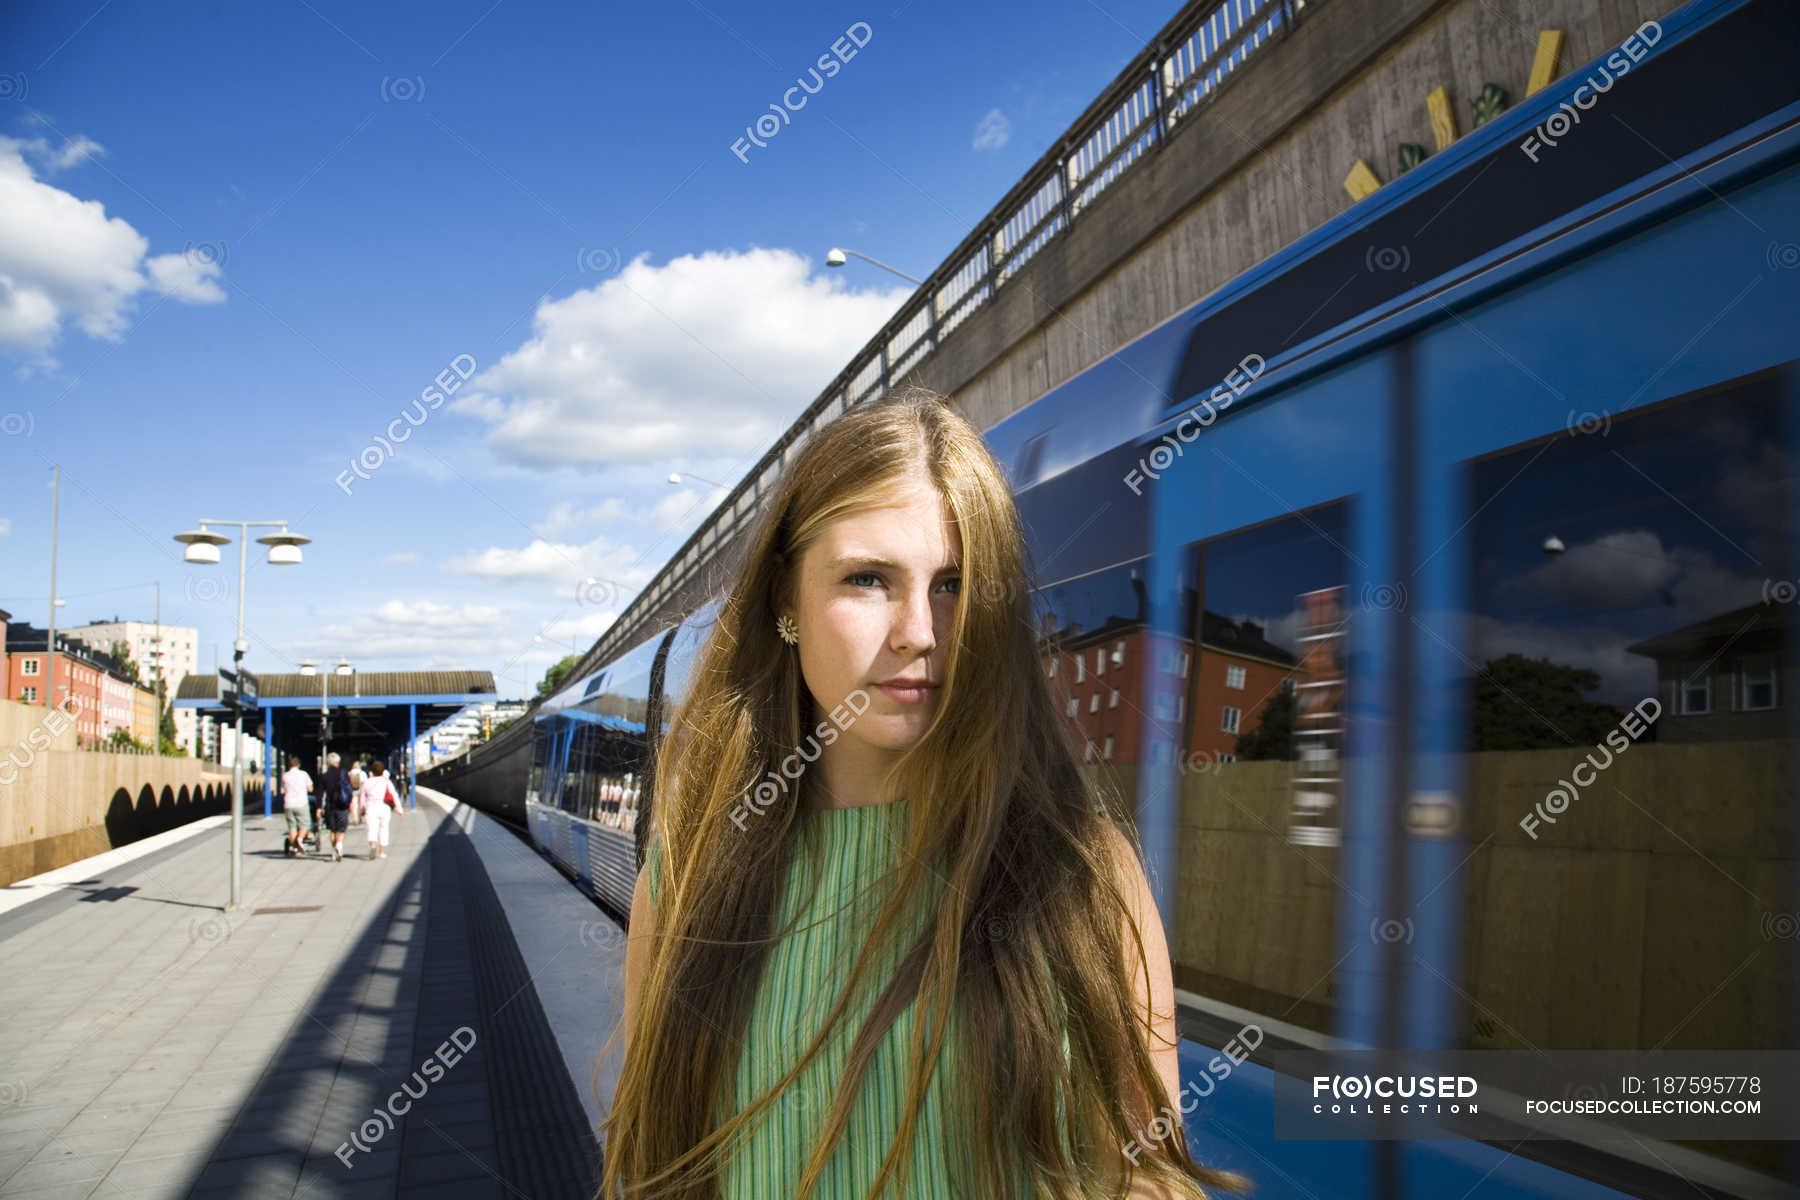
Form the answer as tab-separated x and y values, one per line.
1432	587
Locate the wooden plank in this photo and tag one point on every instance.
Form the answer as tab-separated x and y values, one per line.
1443	120
1543	66
1361	181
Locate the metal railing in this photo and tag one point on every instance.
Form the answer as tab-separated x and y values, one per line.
1165	86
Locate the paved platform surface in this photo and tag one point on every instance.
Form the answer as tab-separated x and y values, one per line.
358	1029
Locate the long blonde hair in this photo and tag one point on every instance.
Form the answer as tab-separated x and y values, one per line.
1025	939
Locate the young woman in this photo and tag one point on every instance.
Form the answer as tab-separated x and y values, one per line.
356	782
887	941
379	803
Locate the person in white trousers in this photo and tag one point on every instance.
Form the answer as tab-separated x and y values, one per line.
379	803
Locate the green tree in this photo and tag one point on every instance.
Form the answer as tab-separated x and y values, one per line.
121	654
1534	704
553	678
165	733
1273	737
121	739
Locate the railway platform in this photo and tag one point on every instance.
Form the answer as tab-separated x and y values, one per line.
427	1023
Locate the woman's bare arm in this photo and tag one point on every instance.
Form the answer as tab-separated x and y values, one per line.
1155	997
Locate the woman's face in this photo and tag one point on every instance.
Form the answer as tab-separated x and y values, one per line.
877	599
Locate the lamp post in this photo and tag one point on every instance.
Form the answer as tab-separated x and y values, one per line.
284	551
308	667
50	640
835	258
676	477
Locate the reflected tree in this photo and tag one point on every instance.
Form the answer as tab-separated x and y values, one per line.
1534	704
1273	737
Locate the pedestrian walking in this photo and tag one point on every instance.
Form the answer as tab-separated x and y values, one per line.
380	801
334	792
313	806
295	786
356	781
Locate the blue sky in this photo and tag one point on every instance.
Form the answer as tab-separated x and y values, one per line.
236	242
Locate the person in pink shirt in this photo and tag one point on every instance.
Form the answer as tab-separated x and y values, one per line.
379	803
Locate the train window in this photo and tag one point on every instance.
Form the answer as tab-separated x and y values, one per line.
684	650
1627	819
1262	606
1091	611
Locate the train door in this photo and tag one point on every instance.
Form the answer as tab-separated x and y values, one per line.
1599	573
1266	698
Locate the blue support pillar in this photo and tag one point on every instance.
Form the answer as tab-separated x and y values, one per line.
412	739
268	729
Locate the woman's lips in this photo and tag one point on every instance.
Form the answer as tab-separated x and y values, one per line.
902	694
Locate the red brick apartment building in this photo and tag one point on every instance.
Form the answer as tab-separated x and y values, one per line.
1099	677
80	676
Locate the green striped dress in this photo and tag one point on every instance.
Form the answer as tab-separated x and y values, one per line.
842	850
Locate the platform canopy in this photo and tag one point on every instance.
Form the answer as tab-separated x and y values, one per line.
370	713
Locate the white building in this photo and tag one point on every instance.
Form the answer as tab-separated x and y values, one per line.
224	740
178	657
473	724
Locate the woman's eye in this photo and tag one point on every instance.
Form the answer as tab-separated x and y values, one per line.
870	575
955	586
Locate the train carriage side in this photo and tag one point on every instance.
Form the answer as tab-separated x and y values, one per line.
590	770
1462	655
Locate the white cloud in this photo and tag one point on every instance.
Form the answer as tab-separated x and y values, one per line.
186	277
27	315
680	510
709	354
403	557
1632	569
71	153
993	131
1624	569
602	573
5	526
416	635
63	259
565	517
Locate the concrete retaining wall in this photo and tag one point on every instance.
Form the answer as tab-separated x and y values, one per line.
1261	167
59	804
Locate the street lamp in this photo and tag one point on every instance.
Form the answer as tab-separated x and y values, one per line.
675	477
284	550
309	667
835	258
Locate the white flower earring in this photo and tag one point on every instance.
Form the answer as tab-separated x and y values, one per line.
790	633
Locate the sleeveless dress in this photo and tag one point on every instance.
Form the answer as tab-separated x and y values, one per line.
841	851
